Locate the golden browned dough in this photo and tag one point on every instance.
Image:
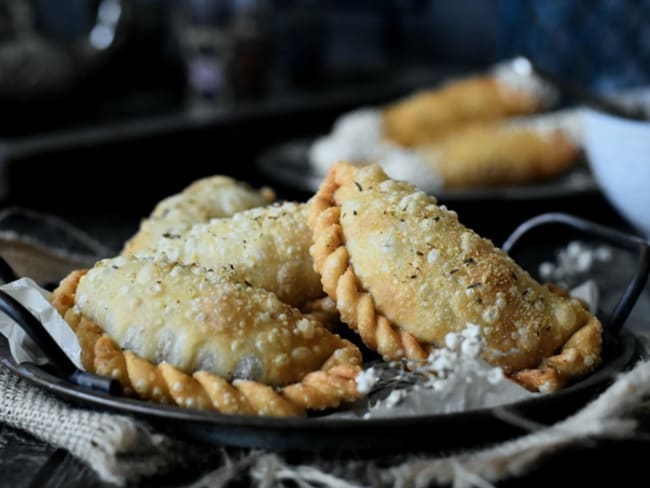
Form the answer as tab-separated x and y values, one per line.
267	246
201	339
404	272
497	154
204	199
426	117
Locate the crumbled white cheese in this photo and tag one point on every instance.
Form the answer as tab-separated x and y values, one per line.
518	75
576	259
433	255
358	138
453	378
452	341
366	380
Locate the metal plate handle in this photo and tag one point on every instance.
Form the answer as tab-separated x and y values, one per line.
612	236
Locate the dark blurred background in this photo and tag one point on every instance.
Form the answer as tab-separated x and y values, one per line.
109	105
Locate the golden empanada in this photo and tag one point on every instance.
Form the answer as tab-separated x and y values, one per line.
207	198
499	154
404	272
428	116
200	338
466	133
268	247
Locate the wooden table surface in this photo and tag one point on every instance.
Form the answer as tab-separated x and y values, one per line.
26	462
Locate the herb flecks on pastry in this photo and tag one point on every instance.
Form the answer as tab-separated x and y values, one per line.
404	272
268	247
202	339
204	199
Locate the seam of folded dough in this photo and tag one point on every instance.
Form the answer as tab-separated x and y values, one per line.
266	246
538	364
327	387
356	306
202	200
427	116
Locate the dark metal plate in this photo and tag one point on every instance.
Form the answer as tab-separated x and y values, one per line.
431	433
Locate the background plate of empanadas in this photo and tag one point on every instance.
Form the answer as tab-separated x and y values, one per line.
495	134
287	165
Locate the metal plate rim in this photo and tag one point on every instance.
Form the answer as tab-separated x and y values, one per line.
274	431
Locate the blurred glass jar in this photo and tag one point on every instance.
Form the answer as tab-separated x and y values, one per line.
601	43
47	47
225	45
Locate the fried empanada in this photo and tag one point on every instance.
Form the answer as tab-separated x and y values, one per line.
404	272
204	199
428	116
499	154
202	339
461	134
268	247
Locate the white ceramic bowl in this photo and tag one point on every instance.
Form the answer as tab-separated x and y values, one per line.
618	151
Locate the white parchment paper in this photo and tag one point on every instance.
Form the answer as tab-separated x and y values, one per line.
35	299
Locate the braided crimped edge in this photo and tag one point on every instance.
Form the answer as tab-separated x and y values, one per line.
327	387
357	308
355	305
572	360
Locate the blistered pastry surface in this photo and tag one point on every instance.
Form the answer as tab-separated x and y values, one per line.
427	116
202	321
429	275
268	247
204	199
327	386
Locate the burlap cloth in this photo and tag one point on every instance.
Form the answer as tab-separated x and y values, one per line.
122	449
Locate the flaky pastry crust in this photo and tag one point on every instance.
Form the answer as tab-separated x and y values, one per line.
426	117
202	200
404	272
268	247
497	154
177	335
